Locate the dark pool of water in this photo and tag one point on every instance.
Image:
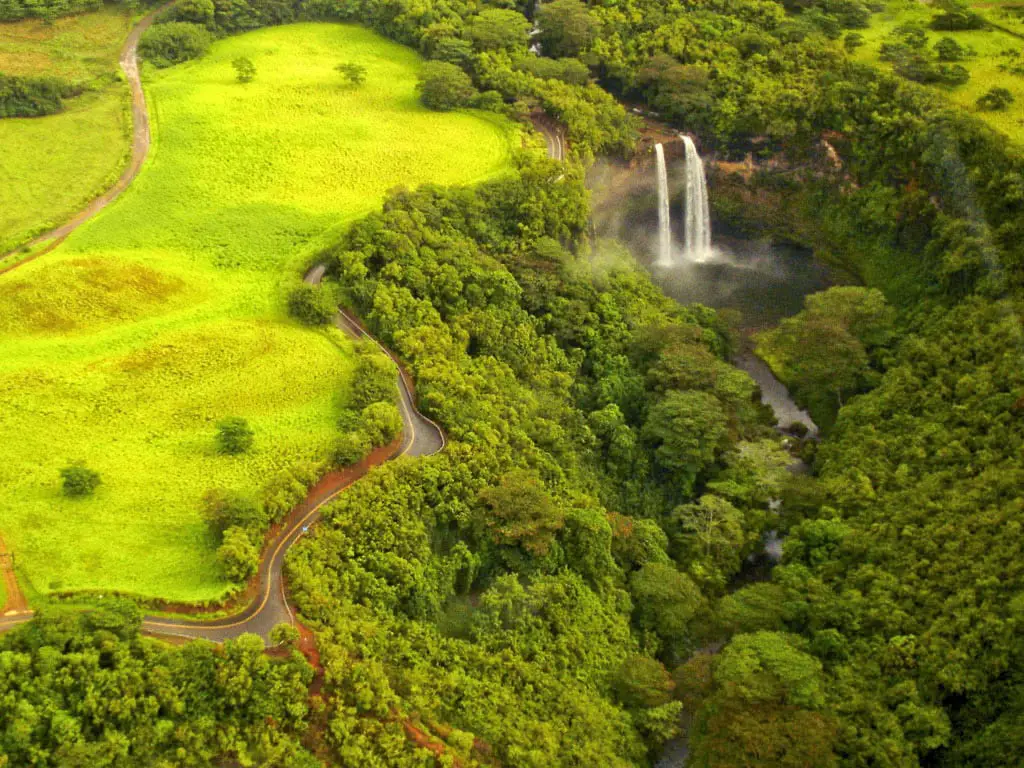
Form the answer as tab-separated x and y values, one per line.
765	282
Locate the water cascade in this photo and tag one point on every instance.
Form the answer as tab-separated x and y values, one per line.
664	223
697	238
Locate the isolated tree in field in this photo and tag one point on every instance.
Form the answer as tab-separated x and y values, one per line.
245	70
79	480
995	99
354	74
234	435
444	86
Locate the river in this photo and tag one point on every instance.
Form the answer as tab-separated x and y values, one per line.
765	283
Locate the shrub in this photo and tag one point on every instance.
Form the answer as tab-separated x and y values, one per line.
311	305
957	20
995	99
284	634
245	70
79	480
226	509
234	435
382	422
374	380
444	86
948	49
351	448
853	40
354	74
287	488
34	96
237	555
174	42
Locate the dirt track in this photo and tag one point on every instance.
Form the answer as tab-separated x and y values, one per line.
129	61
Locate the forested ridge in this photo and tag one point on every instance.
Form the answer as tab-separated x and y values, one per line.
539	594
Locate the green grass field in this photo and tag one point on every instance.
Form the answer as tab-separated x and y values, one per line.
86	146
164	314
984	68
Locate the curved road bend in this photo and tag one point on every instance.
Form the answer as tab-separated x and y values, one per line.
554	136
129	61
420	437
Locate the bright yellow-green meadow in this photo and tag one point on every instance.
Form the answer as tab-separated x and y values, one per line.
989	44
86	146
163	315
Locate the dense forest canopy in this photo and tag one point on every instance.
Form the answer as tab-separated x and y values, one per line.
547	591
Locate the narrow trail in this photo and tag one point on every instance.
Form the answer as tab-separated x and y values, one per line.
129	61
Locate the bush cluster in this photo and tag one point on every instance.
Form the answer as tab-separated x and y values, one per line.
174	42
34	96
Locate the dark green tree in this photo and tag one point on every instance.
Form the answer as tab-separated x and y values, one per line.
245	70
444	86
566	28
78	480
234	435
354	74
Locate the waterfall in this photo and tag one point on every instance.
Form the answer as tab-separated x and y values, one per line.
697	244
664	223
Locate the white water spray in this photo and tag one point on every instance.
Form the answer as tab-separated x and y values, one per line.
664	214
697	242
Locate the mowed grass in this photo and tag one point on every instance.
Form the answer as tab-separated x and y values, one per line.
86	146
163	315
984	67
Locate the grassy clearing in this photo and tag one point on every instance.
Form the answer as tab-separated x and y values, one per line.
163	315
984	68
86	146
78	48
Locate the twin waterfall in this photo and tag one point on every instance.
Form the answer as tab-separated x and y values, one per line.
696	212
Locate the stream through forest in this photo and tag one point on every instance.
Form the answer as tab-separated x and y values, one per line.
765	283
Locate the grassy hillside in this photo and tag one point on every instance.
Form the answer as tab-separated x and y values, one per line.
988	44
85	146
163	315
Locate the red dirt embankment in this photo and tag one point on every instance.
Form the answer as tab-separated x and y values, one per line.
15	602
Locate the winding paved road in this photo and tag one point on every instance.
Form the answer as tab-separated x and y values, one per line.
420	435
554	135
